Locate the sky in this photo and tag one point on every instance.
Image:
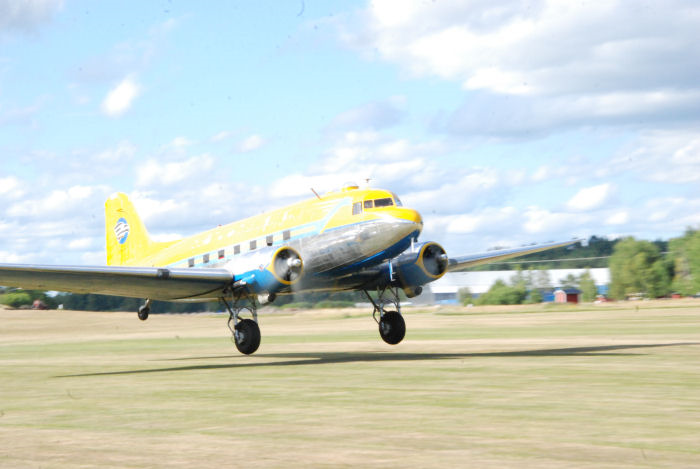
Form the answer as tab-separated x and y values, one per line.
503	123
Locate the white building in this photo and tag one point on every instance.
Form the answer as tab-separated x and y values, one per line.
446	289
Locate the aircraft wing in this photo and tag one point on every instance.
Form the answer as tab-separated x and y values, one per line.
156	283
471	260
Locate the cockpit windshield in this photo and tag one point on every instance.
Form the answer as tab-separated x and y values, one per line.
387	202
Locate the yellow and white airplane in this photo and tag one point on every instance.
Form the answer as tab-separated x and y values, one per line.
351	239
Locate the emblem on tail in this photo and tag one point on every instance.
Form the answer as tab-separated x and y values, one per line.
121	230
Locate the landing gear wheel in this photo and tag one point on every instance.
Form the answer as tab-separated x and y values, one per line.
392	327
143	312
247	336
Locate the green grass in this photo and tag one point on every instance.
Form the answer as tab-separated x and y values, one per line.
581	387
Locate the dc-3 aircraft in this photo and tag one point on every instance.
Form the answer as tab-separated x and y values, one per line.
351	239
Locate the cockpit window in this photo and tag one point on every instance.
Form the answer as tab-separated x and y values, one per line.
398	201
369	204
388	202
357	208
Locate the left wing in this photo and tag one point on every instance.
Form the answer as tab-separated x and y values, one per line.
156	283
471	260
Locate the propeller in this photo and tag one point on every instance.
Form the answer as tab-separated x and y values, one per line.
435	259
288	265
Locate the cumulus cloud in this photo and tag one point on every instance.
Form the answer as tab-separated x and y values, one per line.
665	156
26	15
250	143
124	151
155	172
590	198
120	98
221	136
528	65
375	115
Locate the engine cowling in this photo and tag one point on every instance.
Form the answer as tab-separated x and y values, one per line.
267	270
424	263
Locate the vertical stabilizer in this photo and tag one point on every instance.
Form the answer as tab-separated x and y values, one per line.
127	238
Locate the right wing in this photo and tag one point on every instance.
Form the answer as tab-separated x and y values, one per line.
156	283
471	260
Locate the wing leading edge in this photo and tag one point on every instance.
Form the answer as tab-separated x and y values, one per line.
156	283
472	260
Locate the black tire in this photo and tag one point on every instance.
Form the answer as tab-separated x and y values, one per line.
143	313
392	327
248	336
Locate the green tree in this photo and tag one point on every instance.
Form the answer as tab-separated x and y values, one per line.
587	287
465	296
685	255
633	270
502	294
570	281
16	299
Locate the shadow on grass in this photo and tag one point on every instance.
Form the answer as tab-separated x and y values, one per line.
321	358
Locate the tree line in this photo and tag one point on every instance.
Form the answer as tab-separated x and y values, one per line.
637	268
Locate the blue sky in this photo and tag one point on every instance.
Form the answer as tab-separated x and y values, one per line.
503	124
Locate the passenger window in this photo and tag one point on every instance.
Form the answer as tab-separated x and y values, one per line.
236	249
221	254
190	262
253	245
383	202
205	258
286	234
369	204
357	208
268	240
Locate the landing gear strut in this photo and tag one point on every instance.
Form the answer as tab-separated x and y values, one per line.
144	310
392	327
246	332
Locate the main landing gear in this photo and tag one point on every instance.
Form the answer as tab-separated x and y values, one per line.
246	332
392	327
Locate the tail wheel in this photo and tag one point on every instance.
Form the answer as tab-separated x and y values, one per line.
392	327
247	336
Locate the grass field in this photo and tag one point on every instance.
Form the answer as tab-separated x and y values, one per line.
595	386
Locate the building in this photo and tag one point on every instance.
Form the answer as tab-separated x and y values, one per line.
446	289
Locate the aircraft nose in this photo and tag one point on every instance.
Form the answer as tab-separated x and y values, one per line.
414	216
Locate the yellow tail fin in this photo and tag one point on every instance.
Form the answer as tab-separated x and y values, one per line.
127	239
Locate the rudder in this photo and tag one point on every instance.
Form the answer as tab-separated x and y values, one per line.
126	236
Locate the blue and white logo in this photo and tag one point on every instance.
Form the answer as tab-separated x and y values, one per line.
121	230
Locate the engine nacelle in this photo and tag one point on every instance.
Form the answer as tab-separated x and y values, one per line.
267	271
424	263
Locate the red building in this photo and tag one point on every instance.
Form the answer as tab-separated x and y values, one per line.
567	295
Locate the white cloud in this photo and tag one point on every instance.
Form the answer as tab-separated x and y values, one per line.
590	198
26	15
618	218
124	151
120	98
57	203
252	142
11	187
543	47
154	172
221	136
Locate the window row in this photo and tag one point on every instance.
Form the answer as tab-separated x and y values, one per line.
236	250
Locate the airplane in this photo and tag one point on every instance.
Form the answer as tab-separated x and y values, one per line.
350	239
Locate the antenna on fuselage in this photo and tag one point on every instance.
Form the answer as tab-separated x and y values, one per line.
315	193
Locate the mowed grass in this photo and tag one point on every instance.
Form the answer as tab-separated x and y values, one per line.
610	386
